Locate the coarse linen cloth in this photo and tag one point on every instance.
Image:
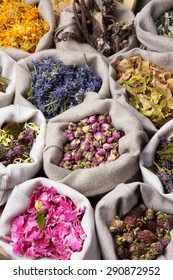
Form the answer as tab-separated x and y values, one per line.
17	205
8	70
103	178
147	157
46	42
119	93
146	31
120	202
17	173
70	57
67	24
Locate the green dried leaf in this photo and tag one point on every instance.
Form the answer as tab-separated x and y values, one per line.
41	220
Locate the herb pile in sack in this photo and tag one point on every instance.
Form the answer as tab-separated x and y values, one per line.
135	221
22	139
142	81
154	26
7	79
93	146
55	81
103	26
156	160
48	220
27	26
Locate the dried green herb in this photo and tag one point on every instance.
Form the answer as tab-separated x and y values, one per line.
149	88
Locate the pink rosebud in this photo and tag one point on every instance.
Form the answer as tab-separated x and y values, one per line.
93	119
68	165
66	156
78	132
101	152
89	136
77	156
101	119
116	135
96	144
108	119
107	146
99	136
98	159
89	156
74	144
70	135
85	121
110	140
105	126
95	127
85	145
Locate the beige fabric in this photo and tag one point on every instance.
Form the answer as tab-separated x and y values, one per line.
103	178
119	93
24	66
8	68
148	156
119	202
46	42
17	204
15	174
145	27
67	24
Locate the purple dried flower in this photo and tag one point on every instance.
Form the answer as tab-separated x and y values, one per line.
74	144
85	145
107	146
95	127
67	156
101	119
105	126
116	135
70	135
101	152
93	119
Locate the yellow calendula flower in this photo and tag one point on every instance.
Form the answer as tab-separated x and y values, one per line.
21	25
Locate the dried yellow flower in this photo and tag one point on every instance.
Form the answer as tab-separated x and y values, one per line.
21	25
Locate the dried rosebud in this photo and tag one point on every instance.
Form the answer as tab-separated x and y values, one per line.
93	119
146	236
86	128
72	126
101	119
96	144
78	132
105	126
85	145
95	127
74	144
67	156
110	140
107	146
70	135
101	152
116	135
67	165
108	119
85	121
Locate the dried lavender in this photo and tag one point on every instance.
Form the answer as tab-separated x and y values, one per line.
16	141
163	164
141	241
164	24
55	87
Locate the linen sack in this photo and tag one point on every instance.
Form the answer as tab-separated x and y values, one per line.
147	157
67	25
120	202
17	204
103	178
14	174
8	68
24	67
119	93
46	42
145	27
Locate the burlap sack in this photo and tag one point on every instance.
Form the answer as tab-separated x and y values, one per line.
119	93
7	65
119	202
147	157
103	178
145	27
24	67
17	204
46	42
67	24
15	174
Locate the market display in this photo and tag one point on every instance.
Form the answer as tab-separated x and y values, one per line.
86	145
